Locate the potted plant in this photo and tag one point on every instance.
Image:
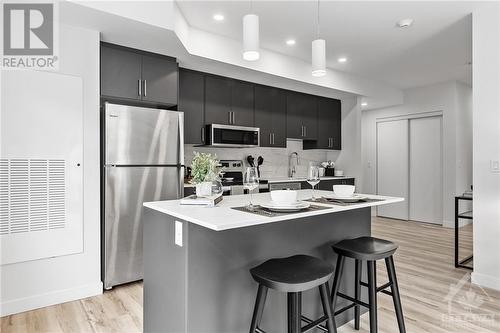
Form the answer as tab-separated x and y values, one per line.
205	170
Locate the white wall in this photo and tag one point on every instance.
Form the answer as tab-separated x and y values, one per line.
39	283
453	100
486	101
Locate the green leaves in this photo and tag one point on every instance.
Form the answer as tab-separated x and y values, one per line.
205	168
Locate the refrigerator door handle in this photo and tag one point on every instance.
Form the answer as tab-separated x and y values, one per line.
145	88
139	87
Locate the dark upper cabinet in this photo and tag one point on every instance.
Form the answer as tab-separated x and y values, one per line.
302	121
136	75
120	73
242	99
329	125
160	77
217	100
192	102
270	116
228	101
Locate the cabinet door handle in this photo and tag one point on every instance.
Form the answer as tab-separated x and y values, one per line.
329	142
273	139
145	88
305	131
139	87
229	115
234	118
270	138
301	130
203	134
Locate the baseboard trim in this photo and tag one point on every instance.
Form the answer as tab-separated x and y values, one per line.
51	298
486	281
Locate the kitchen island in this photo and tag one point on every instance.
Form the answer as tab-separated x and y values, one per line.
197	260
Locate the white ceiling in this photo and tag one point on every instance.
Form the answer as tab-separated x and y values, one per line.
436	48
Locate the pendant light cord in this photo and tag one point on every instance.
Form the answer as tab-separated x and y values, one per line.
317	28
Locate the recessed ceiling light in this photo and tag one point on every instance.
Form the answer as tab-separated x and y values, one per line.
343	59
290	42
364	104
218	17
404	23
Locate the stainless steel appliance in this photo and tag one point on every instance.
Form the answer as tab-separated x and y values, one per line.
232	179
142	161
232	136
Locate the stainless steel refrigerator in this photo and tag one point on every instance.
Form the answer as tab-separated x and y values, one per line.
143	161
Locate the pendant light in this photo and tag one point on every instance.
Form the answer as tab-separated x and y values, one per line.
251	36
318	54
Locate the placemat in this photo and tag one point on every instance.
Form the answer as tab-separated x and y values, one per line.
258	210
334	202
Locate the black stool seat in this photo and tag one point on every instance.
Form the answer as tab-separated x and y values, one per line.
365	248
293	274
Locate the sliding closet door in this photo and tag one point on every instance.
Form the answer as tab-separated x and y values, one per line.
426	185
392	166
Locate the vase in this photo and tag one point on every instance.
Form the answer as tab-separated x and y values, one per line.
204	189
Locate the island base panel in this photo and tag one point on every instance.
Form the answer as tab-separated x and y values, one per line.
205	285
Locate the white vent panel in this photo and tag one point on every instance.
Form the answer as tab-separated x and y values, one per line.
32	195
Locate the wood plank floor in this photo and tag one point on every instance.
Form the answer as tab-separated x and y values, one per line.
424	264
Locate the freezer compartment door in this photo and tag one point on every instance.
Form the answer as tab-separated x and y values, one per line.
143	136
126	189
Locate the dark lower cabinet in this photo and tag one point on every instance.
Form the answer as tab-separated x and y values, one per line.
301	116
128	74
192	103
327	185
329	125
120	72
270	116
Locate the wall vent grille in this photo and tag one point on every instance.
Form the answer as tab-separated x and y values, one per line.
32	195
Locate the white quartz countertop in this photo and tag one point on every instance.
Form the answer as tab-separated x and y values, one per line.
222	217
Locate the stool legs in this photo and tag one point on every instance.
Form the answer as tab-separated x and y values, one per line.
259	308
294	312
357	291
327	308
372	295
336	280
395	293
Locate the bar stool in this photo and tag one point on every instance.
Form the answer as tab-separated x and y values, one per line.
370	249
293	275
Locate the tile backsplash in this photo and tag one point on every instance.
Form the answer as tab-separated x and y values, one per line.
275	159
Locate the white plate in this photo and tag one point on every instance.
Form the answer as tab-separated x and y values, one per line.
283	204
353	198
285	208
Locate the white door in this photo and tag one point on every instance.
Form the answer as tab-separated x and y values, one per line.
392	166
426	186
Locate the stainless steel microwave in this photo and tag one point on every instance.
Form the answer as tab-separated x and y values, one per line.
232	136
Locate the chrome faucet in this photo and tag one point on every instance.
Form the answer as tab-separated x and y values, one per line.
292	166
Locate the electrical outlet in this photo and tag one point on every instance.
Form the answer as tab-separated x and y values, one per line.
178	233
495	166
